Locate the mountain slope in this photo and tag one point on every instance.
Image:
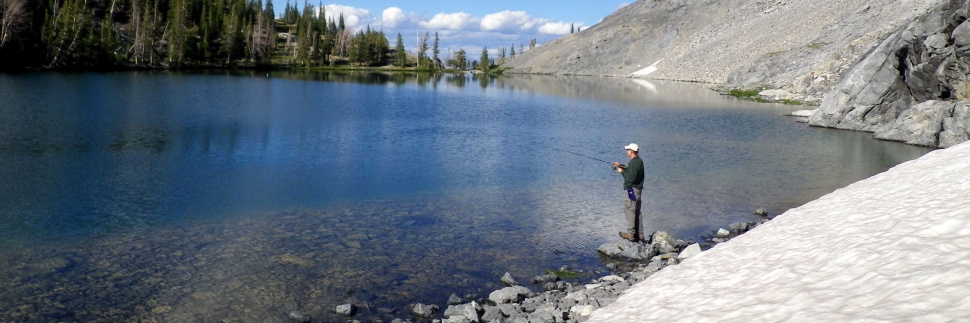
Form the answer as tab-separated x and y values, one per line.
800	46
898	68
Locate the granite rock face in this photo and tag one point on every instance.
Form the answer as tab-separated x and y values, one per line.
909	84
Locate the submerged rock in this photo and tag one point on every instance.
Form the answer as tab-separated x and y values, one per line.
454	299
298	316
425	311
508	280
346	309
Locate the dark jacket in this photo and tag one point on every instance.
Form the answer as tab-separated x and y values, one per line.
633	174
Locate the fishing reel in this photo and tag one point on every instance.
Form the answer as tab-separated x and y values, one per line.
618	165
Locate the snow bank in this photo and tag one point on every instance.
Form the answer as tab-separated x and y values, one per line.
893	247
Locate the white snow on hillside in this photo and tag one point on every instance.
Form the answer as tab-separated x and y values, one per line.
893	247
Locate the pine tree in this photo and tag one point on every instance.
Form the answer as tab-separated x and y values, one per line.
401	56
435	51
484	61
179	31
460	61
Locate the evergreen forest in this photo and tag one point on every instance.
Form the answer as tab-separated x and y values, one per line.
115	34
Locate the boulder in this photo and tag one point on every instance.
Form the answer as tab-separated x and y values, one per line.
627	250
920	124
464	311
723	233
551	277
508	280
961	35
956	127
454	299
611	279
762	212
907	87
298	316
425	311
662	242
690	251
493	314
509	294
740	227
581	310
346	309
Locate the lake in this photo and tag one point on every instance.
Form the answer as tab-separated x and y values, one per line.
244	196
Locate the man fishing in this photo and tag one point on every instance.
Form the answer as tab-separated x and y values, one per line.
633	186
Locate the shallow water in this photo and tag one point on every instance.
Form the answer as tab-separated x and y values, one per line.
241	197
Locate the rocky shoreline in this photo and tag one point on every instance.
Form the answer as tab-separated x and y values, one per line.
564	301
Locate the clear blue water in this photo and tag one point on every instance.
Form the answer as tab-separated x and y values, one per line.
203	197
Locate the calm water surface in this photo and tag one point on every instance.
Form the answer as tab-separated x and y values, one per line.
210	197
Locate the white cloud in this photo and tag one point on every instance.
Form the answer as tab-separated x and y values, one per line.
556	28
353	17
392	17
450	21
510	21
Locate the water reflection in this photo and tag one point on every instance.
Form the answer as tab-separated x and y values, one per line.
240	196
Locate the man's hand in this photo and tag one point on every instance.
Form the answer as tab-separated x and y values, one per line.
619	167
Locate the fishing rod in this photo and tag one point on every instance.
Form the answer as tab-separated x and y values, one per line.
593	158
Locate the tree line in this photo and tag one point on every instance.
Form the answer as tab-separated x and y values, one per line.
177	33
54	34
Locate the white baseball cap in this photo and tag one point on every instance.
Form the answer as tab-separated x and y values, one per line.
633	147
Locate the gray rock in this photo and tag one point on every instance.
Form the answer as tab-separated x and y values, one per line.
762	212
298	316
740	227
346	309
626	250
542	317
690	251
493	313
722	233
920	124
508	309
508	280
956	128
455	300
426	311
545	278
961	35
509	294
581	310
529	306
464	311
895	90
550	286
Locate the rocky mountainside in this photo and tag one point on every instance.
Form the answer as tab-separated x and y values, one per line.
866	62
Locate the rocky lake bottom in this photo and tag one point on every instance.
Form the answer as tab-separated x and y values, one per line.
261	267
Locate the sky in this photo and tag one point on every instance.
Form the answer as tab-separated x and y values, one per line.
469	25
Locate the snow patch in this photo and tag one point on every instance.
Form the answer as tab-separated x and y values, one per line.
893	247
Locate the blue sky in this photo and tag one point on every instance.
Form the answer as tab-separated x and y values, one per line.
470	25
